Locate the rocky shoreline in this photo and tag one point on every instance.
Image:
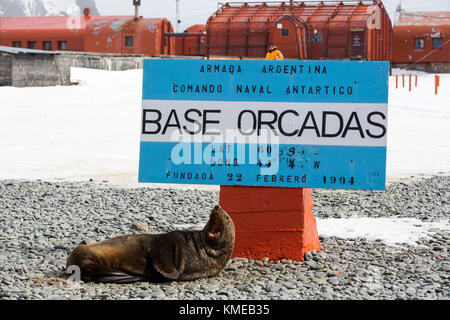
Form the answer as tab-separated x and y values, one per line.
41	222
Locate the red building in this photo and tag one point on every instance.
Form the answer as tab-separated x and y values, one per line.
422	38
302	30
192	42
108	34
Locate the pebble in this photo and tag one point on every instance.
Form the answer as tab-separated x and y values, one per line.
333	281
259	263
325	296
308	256
141	226
264	260
319	280
273	287
314	265
158	295
410	291
41	222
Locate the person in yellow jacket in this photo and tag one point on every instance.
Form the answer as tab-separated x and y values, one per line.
274	53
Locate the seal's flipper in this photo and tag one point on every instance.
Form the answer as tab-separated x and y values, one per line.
162	257
119	277
94	271
174	275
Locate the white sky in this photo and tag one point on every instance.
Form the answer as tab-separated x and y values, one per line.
198	11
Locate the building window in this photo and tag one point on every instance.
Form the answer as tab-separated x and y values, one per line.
129	41
32	45
47	45
437	43
17	44
284	32
419	43
316	37
62	45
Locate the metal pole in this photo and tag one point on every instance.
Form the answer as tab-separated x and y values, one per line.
136	4
178	15
436	84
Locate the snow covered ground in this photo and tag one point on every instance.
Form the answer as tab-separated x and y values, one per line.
389	230
73	133
92	131
419	126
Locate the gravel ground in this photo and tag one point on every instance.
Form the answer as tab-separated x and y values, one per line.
41	222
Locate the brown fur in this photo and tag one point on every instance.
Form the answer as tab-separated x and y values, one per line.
177	255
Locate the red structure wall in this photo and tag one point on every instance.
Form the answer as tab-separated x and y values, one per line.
192	42
108	34
422	37
272	222
302	30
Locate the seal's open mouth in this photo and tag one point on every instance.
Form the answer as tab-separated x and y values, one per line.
215	226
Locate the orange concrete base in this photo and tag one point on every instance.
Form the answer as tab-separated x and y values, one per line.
271	222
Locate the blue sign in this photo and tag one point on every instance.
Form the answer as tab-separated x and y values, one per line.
315	124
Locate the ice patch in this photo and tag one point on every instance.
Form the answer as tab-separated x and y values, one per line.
391	231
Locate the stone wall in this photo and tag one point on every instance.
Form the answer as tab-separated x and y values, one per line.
431	67
38	70
5	69
100	61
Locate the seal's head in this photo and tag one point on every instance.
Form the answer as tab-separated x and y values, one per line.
219	231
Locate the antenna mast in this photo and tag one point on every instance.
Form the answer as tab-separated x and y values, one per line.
178	15
136	4
398	10
399	7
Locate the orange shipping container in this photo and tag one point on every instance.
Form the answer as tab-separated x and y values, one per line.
107	34
422	37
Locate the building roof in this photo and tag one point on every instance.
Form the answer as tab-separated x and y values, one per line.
312	11
14	50
424	18
64	23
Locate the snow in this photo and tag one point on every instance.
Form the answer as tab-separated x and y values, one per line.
391	231
418	126
30	7
437	34
73	133
61	7
48	7
92	131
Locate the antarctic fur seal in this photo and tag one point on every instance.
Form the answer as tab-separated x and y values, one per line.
172	256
